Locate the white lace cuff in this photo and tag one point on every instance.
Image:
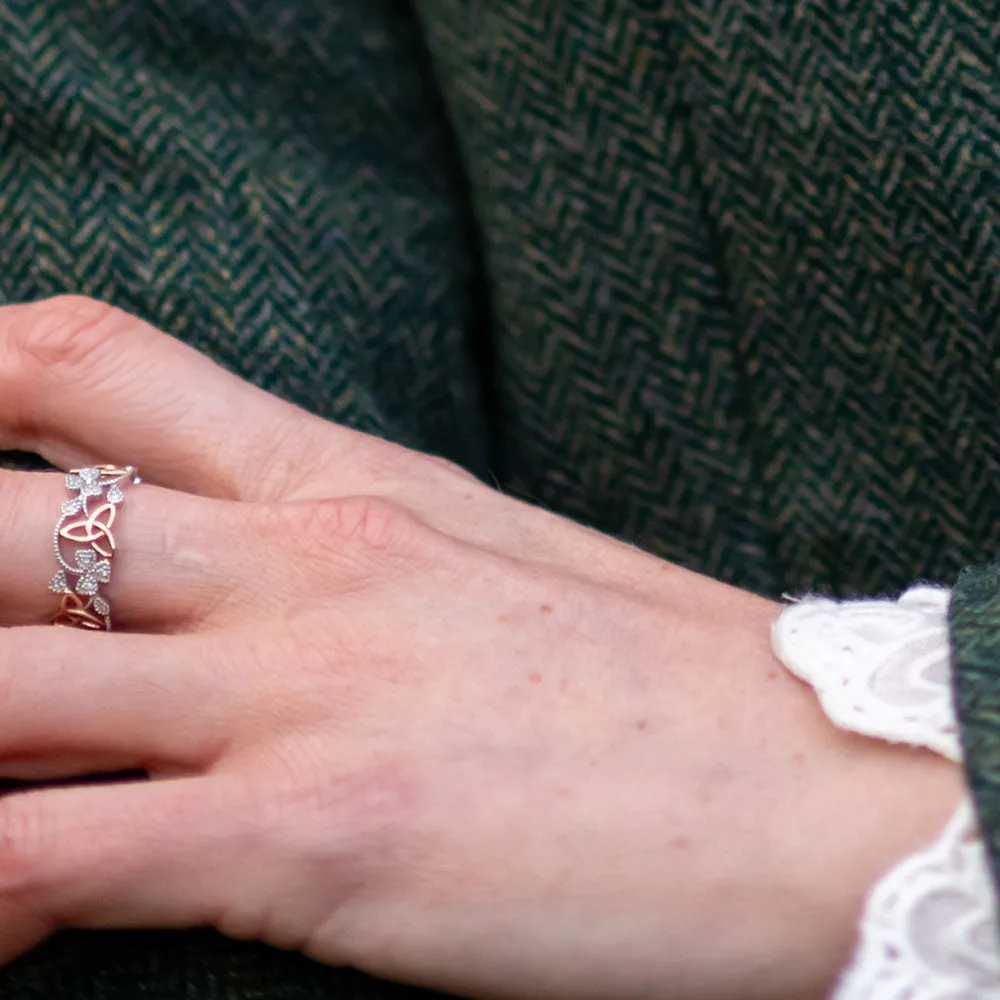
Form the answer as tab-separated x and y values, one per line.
883	668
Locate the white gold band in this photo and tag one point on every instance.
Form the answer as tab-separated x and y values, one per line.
86	521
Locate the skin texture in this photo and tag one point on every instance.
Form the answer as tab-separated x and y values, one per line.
400	721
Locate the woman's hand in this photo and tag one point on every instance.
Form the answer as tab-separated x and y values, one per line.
400	721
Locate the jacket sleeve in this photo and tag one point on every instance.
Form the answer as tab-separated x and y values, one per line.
974	625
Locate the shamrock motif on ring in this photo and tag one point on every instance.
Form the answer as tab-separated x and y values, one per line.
92	573
82	604
86	481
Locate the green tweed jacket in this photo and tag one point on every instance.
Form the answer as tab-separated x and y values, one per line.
721	277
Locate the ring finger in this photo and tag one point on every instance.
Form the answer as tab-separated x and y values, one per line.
168	570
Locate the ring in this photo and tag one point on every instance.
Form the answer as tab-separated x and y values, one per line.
78	581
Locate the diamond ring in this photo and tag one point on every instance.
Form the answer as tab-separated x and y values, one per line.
86	521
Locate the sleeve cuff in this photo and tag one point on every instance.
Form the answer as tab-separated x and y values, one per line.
882	668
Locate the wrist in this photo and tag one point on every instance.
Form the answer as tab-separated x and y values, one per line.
836	811
875	667
883	803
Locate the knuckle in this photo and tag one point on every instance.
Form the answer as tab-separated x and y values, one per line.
378	462
283	464
373	523
57	332
393	466
359	529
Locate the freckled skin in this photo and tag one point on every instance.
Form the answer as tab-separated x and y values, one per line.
385	747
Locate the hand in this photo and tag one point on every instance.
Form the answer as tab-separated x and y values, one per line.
400	721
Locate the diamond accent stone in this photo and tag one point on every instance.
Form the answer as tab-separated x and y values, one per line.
84	570
97	574
86	481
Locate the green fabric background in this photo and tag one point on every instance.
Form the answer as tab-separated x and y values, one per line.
719	277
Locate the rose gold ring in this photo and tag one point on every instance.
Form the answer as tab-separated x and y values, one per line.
86	522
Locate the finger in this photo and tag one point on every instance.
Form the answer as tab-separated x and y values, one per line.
124	856
83	383
110	701
174	554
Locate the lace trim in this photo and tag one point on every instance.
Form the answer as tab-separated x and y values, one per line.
882	668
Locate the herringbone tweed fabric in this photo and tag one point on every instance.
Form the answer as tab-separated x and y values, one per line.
273	182
745	269
740	261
